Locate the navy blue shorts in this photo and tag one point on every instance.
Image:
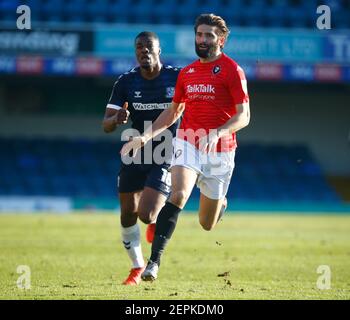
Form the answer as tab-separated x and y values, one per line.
135	177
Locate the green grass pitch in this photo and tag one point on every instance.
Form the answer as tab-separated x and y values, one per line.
251	256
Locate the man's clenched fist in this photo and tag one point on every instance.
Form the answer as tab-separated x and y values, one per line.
122	115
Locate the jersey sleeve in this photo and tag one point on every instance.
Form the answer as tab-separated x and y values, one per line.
118	96
238	85
179	94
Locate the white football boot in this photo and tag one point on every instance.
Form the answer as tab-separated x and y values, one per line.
151	271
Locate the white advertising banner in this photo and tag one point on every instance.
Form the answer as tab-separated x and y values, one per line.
32	204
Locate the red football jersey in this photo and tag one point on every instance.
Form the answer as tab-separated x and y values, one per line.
211	92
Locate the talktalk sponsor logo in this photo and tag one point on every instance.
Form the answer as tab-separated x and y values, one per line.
30	65
269	71
200	88
89	66
327	73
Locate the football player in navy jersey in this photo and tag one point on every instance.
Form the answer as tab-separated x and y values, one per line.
141	94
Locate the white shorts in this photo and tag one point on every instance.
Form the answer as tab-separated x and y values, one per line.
214	169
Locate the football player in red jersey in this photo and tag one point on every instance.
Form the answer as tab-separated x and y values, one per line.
214	90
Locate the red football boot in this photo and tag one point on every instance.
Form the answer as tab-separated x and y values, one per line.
134	277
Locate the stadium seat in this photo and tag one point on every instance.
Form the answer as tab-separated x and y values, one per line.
8	10
274	16
9	5
340	19
74	11
163	11
96	11
142	12
249	13
52	11
186	12
89	168
118	11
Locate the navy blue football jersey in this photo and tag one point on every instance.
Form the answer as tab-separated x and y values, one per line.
146	98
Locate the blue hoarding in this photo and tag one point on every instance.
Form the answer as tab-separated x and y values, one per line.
336	47
93	66
273	45
117	42
264	54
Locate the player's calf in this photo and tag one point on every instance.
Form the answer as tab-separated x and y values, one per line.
222	210
210	215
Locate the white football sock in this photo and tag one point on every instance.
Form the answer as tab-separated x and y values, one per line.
132	244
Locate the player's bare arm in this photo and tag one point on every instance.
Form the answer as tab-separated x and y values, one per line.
240	120
167	118
114	117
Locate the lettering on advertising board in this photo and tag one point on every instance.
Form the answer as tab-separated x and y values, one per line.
47	42
337	47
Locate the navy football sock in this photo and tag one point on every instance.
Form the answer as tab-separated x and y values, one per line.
165	227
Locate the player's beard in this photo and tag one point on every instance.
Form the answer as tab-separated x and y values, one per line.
146	66
206	53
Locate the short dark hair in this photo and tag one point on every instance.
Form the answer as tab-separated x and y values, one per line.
147	34
211	19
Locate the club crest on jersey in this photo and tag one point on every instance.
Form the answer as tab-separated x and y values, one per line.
137	94
170	92
216	69
190	70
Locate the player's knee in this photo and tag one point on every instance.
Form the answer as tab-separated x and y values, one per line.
146	217
147	212
128	220
179	198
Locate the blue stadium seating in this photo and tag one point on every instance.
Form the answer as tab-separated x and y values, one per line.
141	11
52	10
8	10
251	13
96	11
88	169
117	11
163	12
